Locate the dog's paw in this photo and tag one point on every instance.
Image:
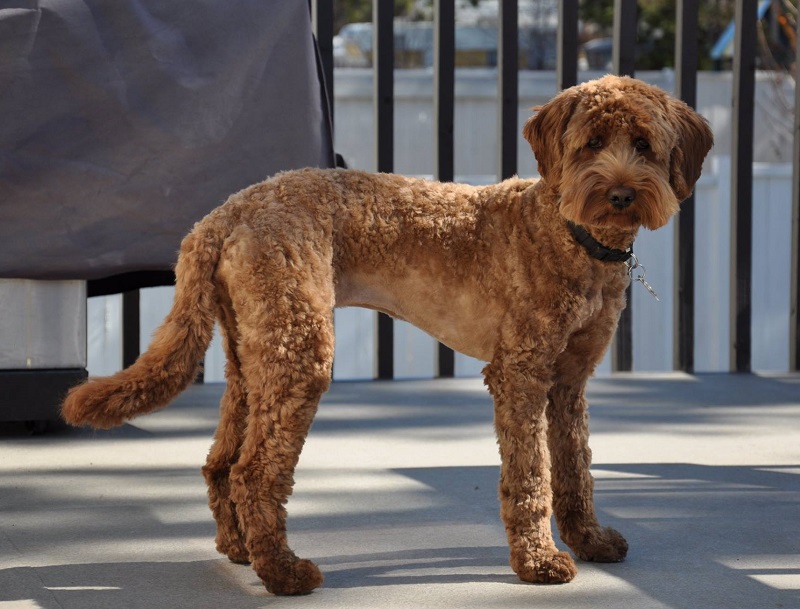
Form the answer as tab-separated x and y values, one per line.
601	545
231	544
295	578
236	554
546	568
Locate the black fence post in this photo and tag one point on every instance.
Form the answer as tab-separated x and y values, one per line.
444	46
567	44
684	250
744	60
508	80
322	21
130	327
383	98
624	60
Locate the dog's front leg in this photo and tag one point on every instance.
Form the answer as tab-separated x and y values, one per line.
573	486
520	398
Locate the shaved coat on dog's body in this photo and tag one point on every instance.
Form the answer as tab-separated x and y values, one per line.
403	253
495	272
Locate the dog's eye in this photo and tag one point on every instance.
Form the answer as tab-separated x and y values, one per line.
595	143
641	144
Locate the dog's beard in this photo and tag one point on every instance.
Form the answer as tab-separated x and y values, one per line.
584	198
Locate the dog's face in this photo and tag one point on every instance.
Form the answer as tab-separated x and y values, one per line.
621	153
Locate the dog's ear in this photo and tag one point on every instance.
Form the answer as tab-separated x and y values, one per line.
545	132
694	141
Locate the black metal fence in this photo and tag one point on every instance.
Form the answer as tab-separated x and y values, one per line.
624	42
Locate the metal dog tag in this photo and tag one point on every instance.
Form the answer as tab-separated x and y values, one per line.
632	264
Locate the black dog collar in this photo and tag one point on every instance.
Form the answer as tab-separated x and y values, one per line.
596	249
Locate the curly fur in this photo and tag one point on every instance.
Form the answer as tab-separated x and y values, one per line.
492	271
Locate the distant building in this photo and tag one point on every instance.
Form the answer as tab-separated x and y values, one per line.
476	46
476	38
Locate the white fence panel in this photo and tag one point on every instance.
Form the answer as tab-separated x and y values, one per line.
104	335
772	247
652	319
712	256
415	352
356	337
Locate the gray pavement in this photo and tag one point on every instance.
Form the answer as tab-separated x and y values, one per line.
396	500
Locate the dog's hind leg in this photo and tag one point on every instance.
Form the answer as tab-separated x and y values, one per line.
283	300
568	432
519	389
227	441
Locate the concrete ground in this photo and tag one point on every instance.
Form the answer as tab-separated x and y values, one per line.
396	500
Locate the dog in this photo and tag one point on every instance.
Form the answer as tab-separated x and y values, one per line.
528	275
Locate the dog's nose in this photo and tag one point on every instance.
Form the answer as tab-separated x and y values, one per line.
621	196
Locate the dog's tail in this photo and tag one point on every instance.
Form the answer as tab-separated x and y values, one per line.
172	360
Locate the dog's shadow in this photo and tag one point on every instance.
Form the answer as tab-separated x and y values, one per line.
456	565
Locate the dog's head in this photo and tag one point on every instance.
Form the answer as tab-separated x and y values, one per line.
621	153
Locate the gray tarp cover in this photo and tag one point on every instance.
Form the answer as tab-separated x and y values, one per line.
122	122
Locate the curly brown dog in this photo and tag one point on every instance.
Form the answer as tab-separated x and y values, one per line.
529	275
